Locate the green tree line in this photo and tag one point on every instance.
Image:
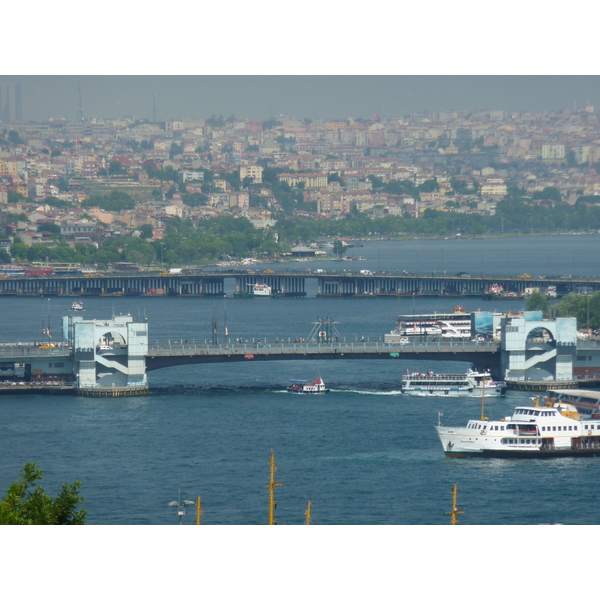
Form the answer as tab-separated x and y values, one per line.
584	307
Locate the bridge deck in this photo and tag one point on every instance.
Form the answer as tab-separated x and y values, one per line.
287	284
162	355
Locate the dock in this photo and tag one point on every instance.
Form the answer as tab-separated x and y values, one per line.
544	386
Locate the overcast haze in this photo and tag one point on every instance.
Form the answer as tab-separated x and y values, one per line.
314	97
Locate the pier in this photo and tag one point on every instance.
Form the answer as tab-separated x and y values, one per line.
289	284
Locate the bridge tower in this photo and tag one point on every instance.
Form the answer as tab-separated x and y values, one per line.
109	355
538	349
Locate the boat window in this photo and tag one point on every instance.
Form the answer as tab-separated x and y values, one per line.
554	428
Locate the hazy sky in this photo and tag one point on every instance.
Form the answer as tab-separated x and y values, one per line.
317	60
312	96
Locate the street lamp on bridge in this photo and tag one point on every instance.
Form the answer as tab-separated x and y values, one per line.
180	508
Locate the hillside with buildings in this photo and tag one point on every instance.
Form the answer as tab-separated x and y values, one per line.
77	189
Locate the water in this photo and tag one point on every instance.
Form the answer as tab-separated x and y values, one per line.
363	454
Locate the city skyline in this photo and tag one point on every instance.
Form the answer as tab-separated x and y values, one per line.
302	96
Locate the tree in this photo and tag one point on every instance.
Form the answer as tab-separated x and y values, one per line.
15	197
37	252
538	301
116	168
18	251
115	201
338	247
24	505
146	232
50	228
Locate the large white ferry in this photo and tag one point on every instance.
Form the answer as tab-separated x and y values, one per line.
456	325
441	384
538	431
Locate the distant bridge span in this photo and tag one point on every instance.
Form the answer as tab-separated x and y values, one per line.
482	355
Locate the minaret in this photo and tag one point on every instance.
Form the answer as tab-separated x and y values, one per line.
79	105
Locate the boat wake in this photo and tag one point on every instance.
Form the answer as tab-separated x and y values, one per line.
370	392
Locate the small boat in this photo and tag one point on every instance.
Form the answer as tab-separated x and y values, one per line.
441	384
257	290
303	386
77	306
539	431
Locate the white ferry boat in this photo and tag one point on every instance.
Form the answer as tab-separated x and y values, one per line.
441	384
302	386
77	306
456	325
260	289
256	290
554	429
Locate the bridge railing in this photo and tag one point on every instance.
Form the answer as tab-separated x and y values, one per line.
29	350
302	348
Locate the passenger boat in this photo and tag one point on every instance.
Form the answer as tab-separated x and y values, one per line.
77	306
257	290
496	292
456	325
301	386
441	384
540	431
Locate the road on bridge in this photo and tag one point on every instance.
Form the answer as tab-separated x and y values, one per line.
165	354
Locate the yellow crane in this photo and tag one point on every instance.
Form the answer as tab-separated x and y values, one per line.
198	511
308	520
272	485
455	511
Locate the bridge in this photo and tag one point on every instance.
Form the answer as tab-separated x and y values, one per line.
160	355
288	284
112	356
174	353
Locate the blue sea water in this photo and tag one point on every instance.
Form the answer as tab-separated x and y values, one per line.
363	454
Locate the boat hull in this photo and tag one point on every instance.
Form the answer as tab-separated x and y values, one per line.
524	453
294	391
461	443
453	393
